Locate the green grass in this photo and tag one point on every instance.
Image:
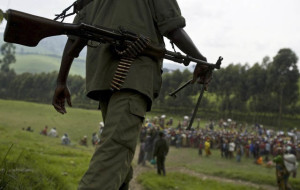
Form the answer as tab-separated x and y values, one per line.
180	181
35	63
48	164
215	166
61	167
77	122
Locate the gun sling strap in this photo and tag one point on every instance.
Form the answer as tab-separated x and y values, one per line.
77	6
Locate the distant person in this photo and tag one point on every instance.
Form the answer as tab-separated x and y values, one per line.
285	165
65	140
83	141
179	125
161	149
239	153
200	148
141	159
53	132
207	147
267	150
29	129
162	121
95	139
259	160
143	134
170	122
44	131
231	149
101	127
290	162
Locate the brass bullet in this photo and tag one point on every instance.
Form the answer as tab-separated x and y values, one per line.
122	70
119	76
124	66
116	83
119	80
114	87
121	73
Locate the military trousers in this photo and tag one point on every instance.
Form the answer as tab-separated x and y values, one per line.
110	167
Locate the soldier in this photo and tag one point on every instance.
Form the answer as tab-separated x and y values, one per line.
161	149
123	110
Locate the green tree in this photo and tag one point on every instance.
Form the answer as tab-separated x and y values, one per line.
8	53
256	84
283	77
225	84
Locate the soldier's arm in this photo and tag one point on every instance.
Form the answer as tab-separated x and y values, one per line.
62	92
185	44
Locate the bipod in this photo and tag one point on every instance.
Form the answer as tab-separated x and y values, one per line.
173	94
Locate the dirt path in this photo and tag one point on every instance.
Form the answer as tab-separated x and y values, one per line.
138	170
134	185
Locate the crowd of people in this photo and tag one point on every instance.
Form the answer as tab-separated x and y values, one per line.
232	139
229	137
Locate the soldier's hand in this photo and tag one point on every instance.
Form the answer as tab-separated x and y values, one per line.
202	74
60	96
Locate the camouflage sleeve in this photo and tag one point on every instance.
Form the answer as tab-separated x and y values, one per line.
167	15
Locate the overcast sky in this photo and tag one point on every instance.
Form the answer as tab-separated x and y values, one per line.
239	30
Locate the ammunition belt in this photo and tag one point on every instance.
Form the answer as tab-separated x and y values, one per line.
127	57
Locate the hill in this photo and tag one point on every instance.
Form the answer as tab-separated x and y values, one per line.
37	63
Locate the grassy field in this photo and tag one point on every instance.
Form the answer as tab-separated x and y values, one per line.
17	115
215	166
175	180
39	162
32	155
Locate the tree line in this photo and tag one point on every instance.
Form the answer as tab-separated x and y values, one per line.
263	89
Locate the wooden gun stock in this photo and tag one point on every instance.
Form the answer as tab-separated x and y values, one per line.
29	30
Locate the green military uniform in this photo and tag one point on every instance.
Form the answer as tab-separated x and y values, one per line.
151	18
123	112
